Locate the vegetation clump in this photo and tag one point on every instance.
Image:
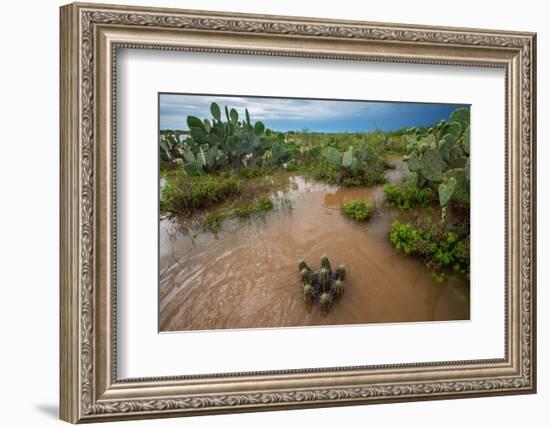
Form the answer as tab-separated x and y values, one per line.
407	194
439	163
358	210
224	143
325	285
441	158
245	208
359	164
186	194
241	209
440	247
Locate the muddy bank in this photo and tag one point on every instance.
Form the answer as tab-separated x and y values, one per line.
247	276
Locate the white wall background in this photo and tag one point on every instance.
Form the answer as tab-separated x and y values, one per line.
29	170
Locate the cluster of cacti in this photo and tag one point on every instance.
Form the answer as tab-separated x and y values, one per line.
217	143
360	164
171	147
281	150
348	159
441	157
213	144
324	285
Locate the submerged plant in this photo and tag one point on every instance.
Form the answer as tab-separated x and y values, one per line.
323	285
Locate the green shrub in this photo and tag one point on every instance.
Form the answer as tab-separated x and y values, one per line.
440	248
187	194
255	172
241	209
212	221
291	166
358	210
322	170
406	195
246	208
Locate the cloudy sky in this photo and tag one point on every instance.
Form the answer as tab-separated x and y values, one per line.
283	114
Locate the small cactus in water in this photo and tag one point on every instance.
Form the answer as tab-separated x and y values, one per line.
338	288
340	272
308	292
325	299
323	285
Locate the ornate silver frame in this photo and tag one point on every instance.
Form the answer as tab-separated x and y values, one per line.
90	36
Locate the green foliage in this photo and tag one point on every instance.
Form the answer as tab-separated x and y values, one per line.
441	248
291	166
214	144
446	190
240	209
358	210
186	194
360	164
245	208
254	172
212	221
441	157
406	194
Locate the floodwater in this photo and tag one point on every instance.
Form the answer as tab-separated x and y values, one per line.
246	276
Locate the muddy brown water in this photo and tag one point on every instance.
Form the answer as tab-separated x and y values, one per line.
246	276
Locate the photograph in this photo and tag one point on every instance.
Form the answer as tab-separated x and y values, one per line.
344	210
293	212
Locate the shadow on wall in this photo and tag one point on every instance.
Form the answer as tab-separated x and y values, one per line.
49	409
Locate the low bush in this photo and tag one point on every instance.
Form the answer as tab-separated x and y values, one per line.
245	208
440	247
185	194
325	172
358	210
255	172
240	209
407	194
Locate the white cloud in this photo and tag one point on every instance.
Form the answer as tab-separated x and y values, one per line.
173	106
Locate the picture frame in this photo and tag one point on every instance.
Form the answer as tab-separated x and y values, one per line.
91	35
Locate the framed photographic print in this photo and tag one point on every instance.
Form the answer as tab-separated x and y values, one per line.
267	212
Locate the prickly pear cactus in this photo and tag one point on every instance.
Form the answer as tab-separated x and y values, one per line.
444	166
214	144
